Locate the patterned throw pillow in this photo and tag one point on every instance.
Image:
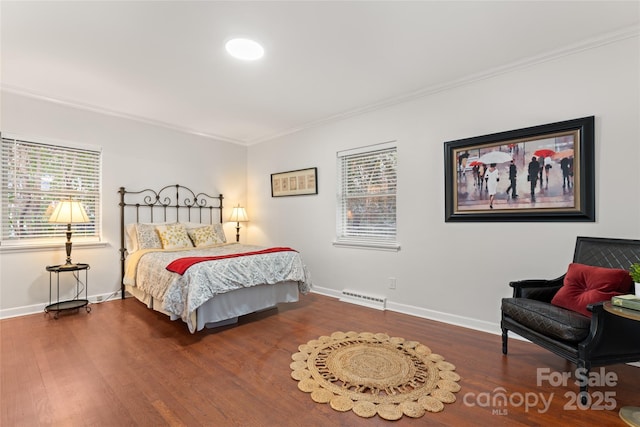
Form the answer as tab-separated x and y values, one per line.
220	233
207	235
148	237
173	236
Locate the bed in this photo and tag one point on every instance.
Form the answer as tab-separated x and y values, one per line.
174	258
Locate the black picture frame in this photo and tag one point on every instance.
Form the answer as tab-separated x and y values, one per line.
565	183
294	183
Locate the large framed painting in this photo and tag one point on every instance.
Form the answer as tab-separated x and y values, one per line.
294	183
540	173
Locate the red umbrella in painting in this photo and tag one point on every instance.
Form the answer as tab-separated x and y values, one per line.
544	152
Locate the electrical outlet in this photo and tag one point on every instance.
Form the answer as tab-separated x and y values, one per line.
392	282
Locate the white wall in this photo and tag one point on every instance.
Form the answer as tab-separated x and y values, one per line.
458	272
135	156
450	271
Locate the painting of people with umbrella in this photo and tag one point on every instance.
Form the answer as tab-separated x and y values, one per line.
540	173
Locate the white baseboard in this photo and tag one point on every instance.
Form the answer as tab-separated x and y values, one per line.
452	319
326	291
22	311
39	308
424	313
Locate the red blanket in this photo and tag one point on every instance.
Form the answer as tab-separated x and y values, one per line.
181	265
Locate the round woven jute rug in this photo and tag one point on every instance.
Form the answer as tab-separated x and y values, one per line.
373	374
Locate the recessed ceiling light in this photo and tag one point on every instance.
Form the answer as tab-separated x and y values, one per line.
244	49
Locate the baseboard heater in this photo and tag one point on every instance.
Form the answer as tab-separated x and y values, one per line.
357	297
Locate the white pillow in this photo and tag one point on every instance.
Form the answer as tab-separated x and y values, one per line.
130	238
173	236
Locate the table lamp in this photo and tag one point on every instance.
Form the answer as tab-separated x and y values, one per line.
238	215
69	212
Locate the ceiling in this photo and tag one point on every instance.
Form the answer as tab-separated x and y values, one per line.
164	62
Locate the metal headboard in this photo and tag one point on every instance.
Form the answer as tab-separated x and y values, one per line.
173	202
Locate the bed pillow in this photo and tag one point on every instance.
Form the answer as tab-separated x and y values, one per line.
207	235
131	238
585	284
217	228
148	237
131	243
173	236
220	232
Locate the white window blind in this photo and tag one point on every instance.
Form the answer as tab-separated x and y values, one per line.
35	176
366	214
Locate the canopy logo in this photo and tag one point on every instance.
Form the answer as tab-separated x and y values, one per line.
499	400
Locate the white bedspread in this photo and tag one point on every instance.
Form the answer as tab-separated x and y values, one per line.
183	294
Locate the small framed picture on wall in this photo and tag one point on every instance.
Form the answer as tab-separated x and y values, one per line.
294	183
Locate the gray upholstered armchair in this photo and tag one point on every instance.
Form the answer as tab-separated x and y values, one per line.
602	339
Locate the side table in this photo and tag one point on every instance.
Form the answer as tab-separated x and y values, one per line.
72	304
628	414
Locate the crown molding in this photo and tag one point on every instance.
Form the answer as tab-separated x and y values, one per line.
100	110
588	44
592	43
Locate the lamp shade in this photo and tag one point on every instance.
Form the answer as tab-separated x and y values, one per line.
69	211
239	214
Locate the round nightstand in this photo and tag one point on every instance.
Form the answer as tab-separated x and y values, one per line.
72	304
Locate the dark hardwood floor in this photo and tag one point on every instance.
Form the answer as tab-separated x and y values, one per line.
125	365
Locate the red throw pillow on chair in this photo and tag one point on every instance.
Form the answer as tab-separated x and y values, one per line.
585	284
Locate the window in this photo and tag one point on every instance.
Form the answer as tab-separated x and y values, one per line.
35	176
366	214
